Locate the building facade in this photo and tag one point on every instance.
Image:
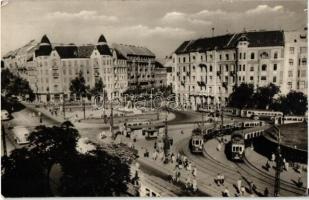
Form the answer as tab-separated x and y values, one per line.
295	61
207	69
50	67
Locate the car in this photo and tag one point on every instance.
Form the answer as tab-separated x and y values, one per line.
5	115
21	134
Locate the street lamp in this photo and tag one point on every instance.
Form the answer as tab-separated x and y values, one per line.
151	98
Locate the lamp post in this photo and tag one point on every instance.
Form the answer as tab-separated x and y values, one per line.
278	165
151	98
4	141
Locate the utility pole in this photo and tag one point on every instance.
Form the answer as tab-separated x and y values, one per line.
84	108
278	165
4	141
63	107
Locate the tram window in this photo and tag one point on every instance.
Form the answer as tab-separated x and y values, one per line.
153	194
143	133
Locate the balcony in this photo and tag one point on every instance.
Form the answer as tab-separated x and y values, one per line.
55	74
55	67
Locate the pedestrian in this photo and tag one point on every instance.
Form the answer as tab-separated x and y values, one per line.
251	187
188	183
217	179
194	171
267	165
219	146
242	190
194	185
273	157
226	192
173	158
266	192
189	166
222	179
239	184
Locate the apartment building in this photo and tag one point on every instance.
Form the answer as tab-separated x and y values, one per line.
207	69
50	67
295	61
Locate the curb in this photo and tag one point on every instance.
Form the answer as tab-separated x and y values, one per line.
253	167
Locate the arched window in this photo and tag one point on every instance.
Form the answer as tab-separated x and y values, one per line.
252	56
264	67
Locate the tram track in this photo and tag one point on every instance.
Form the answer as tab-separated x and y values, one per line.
211	167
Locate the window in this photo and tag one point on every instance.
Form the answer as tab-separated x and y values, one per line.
275	67
240	56
193	57
244	67
274	79
304	61
291	50
244	56
210	68
184	59
303	50
291	61
227	56
220	57
289	85
251	78
290	73
252	56
227	68
239	67
275	55
184	69
193	68
264	67
251	68
263	78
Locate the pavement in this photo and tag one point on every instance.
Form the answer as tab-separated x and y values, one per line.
258	161
253	160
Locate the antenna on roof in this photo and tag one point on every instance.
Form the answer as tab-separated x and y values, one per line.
213	31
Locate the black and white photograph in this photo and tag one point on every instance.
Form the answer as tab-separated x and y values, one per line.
154	98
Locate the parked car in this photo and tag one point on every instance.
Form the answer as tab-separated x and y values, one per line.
5	115
21	134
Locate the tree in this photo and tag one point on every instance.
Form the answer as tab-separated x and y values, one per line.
95	174
264	96
23	175
104	171
241	96
294	103
78	86
15	85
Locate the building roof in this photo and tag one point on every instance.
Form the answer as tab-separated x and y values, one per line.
130	50
229	41
158	64
119	55
104	49
85	51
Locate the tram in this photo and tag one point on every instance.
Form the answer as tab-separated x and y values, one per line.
196	143
256	114
237	146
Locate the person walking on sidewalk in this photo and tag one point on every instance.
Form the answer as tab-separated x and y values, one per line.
222	179
239	185
226	192
242	191
266	192
194	172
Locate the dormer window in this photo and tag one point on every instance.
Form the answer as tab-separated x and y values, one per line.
264	55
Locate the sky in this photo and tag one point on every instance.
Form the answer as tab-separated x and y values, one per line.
159	25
